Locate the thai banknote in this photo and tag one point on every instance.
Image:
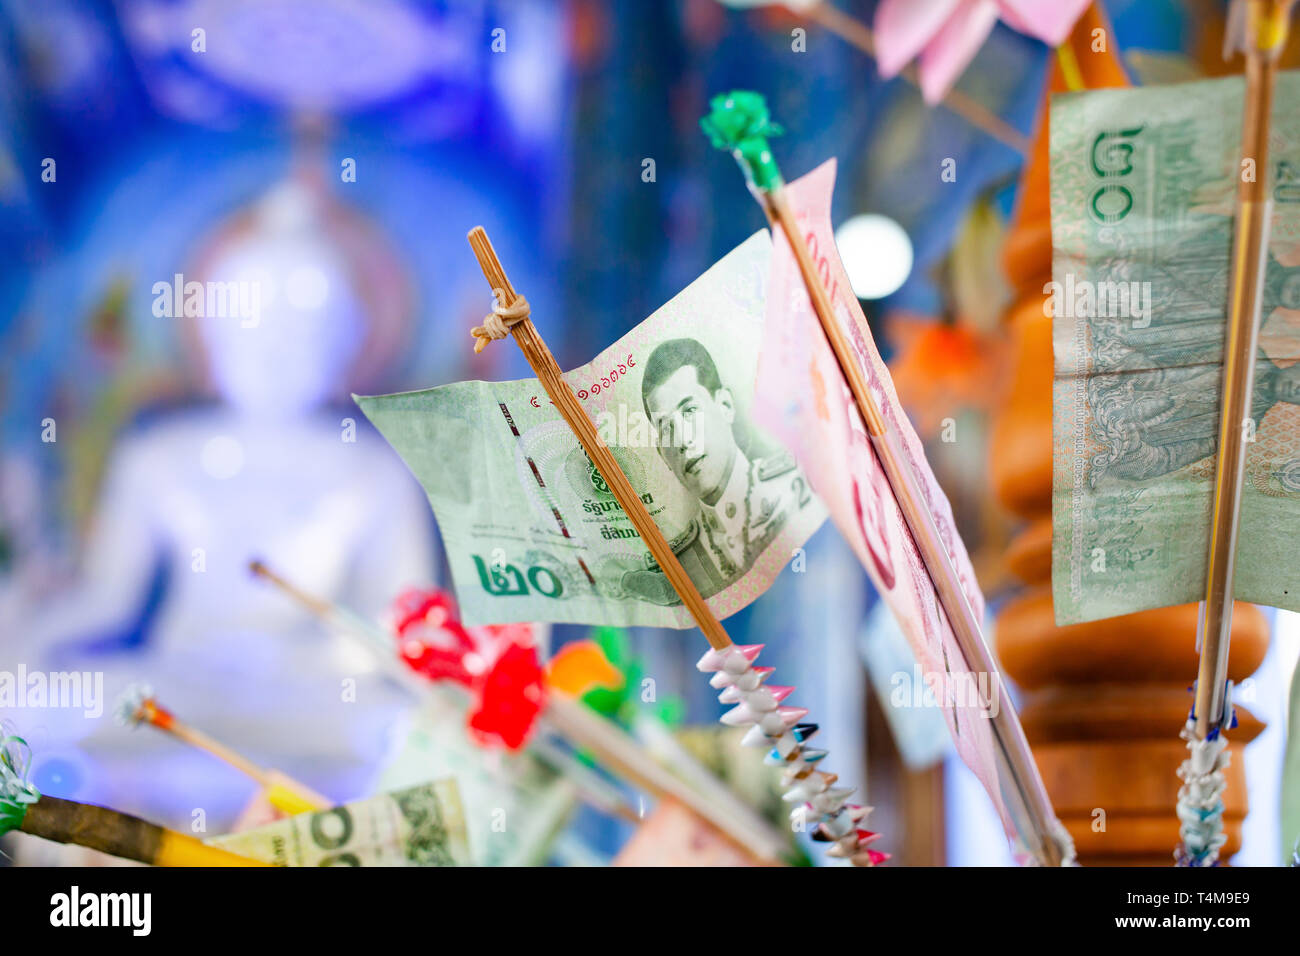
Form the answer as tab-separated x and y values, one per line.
1291	777
803	398
1142	187
418	826
531	529
514	806
672	835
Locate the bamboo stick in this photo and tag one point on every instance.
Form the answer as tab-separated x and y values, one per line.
283	791
616	749
23	807
622	754
592	789
740	123
1008	734
1266	35
548	372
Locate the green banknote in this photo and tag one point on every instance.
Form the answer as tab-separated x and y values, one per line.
1291	778
1142	187
531	530
418	826
514	806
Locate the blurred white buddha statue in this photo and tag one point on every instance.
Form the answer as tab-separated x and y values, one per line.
264	473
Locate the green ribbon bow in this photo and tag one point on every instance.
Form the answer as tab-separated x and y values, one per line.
739	123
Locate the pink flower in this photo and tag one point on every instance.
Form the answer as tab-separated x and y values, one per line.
948	33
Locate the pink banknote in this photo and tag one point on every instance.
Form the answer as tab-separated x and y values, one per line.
801	396
672	835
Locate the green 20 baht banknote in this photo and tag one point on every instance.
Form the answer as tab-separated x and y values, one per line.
1143	183
418	826
531	530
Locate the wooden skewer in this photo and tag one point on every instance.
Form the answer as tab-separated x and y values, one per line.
283	791
622	754
548	372
739	123
616	749
318	606
1266	35
732	816
592	789
1007	731
858	34
197	738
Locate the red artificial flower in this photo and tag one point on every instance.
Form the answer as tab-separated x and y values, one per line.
496	663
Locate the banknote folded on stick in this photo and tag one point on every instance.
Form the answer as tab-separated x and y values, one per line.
532	531
804	398
1142	191
685	401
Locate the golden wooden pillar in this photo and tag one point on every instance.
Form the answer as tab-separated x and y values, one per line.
1103	701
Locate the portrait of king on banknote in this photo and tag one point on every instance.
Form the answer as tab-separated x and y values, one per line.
533	532
742	501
